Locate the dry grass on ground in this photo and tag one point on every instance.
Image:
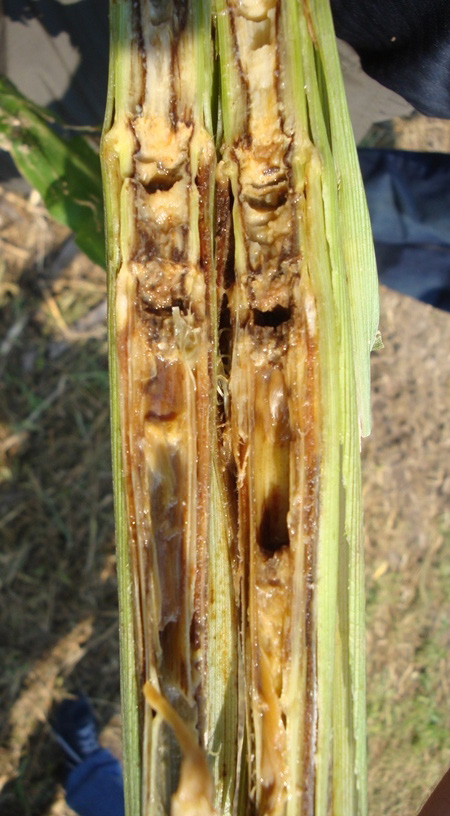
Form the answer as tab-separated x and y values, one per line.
58	616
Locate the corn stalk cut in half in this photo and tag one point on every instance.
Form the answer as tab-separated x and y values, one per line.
243	308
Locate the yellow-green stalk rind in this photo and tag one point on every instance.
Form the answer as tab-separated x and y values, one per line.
356	235
331	510
361	312
329	514
131	743
349	730
306	84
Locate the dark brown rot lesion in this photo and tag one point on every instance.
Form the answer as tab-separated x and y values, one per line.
274	404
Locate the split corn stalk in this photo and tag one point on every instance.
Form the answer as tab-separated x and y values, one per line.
242	312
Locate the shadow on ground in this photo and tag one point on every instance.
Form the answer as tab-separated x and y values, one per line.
58	608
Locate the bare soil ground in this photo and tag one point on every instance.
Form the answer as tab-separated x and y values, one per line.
407	513
406	482
58	613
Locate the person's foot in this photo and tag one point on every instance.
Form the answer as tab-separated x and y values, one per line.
75	730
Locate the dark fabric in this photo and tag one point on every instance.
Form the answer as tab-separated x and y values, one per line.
95	787
409	202
404	45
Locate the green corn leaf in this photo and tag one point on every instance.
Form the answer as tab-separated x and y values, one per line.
64	170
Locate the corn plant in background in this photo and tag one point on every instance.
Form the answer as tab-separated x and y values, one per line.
242	312
62	166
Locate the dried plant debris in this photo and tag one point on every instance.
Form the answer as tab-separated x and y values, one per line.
242	314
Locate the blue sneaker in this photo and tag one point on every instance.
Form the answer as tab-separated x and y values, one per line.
75	730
